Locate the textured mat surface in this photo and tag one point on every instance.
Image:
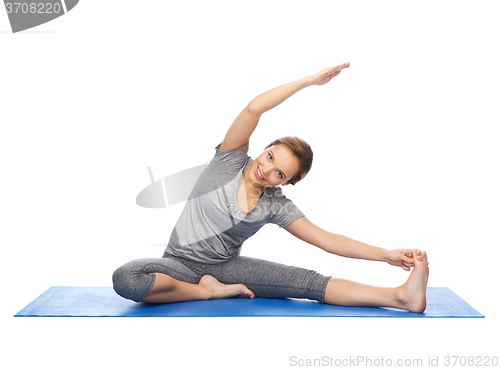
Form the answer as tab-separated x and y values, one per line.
59	301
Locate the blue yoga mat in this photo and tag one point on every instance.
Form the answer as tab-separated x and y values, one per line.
61	301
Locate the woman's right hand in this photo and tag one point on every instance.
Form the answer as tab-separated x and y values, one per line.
325	75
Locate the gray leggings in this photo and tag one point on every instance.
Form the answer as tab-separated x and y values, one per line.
266	279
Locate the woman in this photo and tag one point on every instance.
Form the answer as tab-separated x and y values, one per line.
231	200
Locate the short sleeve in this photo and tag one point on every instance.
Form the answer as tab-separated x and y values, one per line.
237	157
287	213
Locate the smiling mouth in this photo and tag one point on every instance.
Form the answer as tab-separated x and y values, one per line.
258	174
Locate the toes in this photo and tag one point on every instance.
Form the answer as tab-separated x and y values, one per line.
244	291
422	256
249	293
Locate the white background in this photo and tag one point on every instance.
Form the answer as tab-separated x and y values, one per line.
406	155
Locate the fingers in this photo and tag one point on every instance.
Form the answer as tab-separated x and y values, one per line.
336	70
418	255
333	75
342	66
326	74
407	259
407	256
408	265
407	262
412	253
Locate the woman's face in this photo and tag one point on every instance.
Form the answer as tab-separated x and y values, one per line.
275	166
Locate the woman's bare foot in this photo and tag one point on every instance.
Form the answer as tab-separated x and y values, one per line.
217	290
412	293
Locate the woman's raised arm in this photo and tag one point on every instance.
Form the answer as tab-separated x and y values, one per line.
246	122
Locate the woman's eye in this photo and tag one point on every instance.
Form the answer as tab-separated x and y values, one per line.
269	157
280	175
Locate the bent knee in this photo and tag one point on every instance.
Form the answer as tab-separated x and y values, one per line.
131	282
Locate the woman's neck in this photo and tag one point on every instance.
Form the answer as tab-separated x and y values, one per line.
254	190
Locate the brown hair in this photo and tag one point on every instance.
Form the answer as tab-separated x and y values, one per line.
301	150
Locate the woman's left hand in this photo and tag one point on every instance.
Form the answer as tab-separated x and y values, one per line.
402	258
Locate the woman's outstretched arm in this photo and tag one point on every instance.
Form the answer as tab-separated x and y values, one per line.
343	246
246	122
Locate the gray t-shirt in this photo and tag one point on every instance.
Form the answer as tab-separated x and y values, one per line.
212	227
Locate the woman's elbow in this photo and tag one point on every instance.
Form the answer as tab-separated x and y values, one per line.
254	108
